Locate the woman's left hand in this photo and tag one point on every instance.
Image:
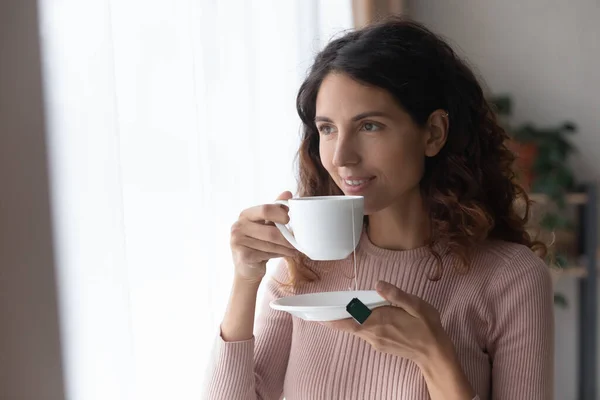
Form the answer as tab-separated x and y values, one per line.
409	328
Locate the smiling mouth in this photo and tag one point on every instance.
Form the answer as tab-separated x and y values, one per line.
355	185
356	182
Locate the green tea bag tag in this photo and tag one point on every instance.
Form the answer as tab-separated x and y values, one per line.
358	310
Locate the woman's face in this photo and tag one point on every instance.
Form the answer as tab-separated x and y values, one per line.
369	145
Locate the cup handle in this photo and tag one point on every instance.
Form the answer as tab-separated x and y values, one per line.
289	236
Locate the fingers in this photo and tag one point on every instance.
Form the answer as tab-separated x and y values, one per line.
266	247
266	212
345	325
267	233
269	212
250	256
285	195
411	304
254	240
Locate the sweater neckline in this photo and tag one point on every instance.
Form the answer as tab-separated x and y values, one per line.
365	244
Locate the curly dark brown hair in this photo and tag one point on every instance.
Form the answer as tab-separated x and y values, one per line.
469	187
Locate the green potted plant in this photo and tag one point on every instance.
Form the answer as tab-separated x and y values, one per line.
551	173
543	167
543	158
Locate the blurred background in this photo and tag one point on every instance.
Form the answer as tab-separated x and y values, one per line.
132	134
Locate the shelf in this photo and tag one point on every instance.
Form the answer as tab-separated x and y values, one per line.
571	272
572	198
576	269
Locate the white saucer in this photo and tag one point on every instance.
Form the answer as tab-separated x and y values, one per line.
326	306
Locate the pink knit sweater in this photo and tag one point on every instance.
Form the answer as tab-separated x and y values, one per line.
499	316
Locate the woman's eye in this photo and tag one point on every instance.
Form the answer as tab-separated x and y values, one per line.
370	127
326	129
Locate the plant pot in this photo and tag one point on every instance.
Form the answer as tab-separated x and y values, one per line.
526	154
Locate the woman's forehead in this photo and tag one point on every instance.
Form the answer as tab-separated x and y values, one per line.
340	95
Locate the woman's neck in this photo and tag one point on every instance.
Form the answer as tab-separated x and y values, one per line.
404	225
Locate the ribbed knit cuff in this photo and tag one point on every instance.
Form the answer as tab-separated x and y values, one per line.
232	373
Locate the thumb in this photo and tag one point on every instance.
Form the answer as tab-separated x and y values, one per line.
399	298
285	195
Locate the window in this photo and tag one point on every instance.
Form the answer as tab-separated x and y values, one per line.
166	119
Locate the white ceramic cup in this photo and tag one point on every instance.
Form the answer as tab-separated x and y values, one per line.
323	225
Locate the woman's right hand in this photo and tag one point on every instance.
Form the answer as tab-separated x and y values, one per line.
255	239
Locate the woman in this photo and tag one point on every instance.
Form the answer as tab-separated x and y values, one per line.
391	113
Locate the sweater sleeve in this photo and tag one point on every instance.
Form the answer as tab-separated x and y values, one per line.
522	330
254	368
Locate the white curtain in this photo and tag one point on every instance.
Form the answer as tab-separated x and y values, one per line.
166	119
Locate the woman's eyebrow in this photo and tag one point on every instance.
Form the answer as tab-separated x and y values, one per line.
357	117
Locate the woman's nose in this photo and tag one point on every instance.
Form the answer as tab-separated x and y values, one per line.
345	152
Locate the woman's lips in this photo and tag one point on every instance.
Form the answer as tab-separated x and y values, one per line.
354	185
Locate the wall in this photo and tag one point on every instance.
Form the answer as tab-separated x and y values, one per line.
546	54
30	353
543	52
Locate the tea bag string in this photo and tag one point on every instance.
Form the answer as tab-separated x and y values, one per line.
354	249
